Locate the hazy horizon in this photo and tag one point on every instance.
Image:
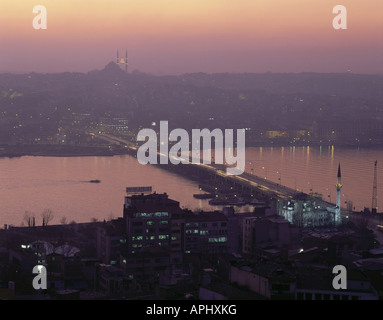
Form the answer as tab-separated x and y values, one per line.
183	73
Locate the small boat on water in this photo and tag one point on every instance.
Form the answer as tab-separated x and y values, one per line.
95	181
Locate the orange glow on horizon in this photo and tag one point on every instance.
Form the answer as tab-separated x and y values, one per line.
201	25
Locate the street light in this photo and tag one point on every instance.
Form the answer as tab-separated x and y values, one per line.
265	171
252	167
280	177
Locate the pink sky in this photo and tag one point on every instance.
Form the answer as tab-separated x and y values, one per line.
178	36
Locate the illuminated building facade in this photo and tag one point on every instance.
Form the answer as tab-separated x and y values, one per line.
206	233
308	212
154	220
305	212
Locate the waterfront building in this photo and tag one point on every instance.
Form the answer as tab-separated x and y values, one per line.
307	211
304	211
154	220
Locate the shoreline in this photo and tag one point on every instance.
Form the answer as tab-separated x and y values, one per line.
17	151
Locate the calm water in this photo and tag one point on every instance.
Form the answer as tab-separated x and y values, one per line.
36	183
314	169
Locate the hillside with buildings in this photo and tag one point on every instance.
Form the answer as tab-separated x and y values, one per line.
274	108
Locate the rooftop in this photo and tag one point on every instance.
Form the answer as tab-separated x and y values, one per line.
266	269
205	216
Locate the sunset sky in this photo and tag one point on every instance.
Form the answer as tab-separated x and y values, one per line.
178	36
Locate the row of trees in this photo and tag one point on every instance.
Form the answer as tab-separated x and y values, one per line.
30	219
47	216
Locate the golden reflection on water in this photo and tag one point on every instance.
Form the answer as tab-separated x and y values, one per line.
310	169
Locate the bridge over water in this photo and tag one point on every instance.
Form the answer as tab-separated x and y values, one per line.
213	177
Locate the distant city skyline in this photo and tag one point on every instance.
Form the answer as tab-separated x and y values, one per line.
173	37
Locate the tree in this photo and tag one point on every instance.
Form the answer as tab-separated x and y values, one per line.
63	220
47	216
29	218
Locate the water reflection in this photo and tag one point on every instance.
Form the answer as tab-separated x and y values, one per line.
37	183
312	170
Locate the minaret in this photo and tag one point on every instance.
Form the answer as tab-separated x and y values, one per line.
122	61
338	187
